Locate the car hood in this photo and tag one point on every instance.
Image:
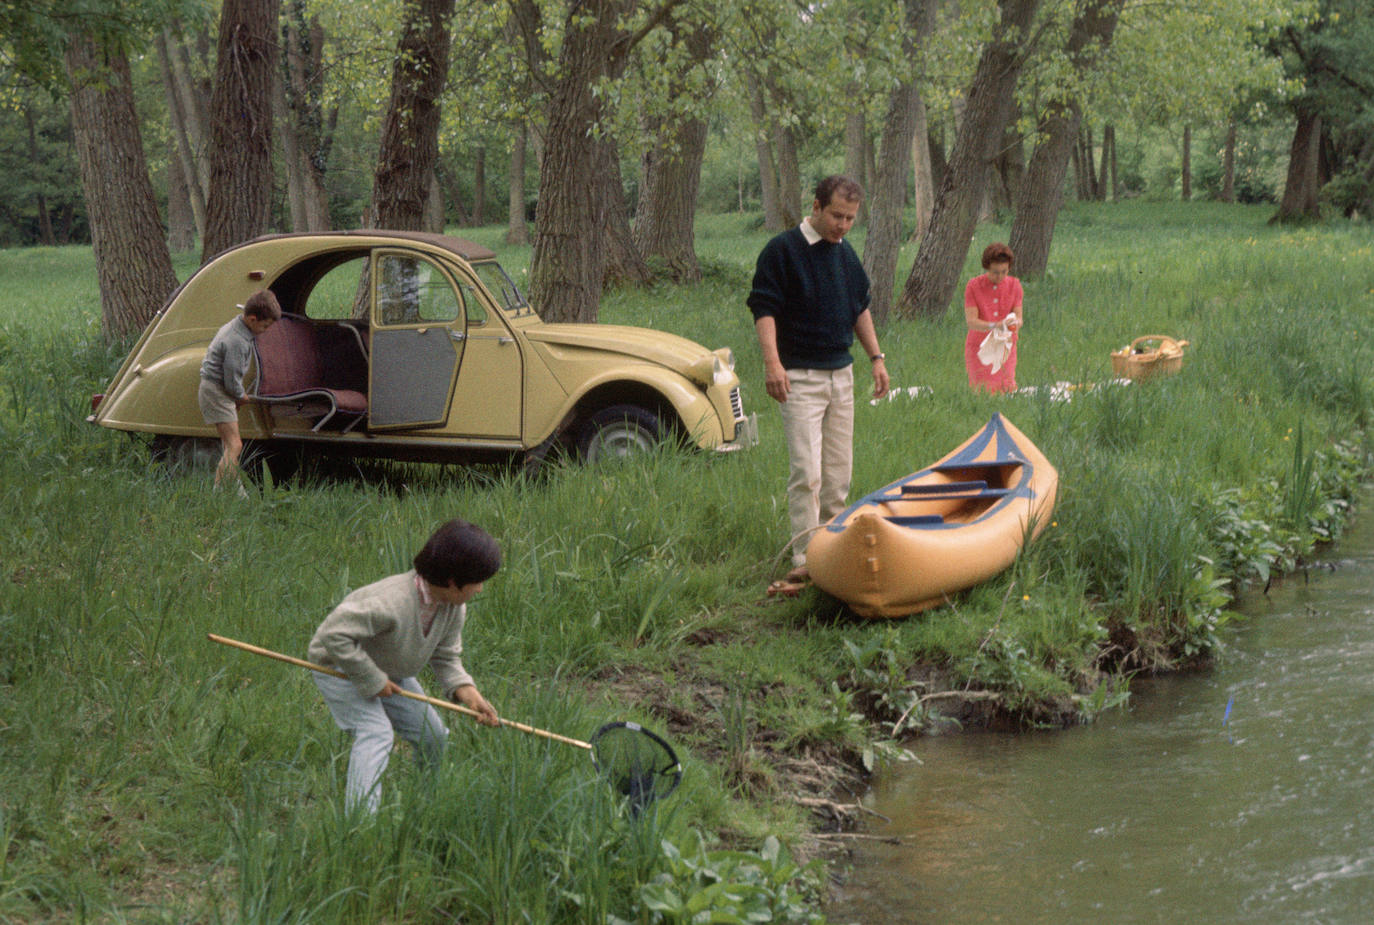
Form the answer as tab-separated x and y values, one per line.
670	350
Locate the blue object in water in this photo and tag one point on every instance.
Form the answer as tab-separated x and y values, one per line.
1230	701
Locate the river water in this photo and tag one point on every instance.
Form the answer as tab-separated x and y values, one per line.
1244	793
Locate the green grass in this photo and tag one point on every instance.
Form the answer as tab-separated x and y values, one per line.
148	775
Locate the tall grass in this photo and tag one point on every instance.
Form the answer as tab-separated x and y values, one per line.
148	775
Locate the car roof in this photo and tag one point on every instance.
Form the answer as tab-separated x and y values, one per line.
464	248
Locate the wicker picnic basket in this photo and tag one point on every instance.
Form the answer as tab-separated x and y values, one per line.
1147	356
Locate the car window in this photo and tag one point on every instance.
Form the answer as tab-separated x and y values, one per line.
340	294
411	290
507	294
477	312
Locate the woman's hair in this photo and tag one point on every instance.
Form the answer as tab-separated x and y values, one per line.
263	304
838	185
997	252
458	554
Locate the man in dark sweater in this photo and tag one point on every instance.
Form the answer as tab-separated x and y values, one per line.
809	300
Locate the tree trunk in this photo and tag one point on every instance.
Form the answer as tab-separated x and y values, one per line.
665	216
1187	166
625	265
665	219
517	229
923	186
40	201
306	134
132	262
769	193
1109	161
410	134
181	220
991	100
1042	190
790	197
1228	162
887	191
1300	201
569	262
479	187
1103	182
238	202
187	128
856	150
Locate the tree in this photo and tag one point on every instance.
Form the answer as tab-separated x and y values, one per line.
133	264
1037	206
1332	54
306	131
238	203
569	262
887	193
410	134
990	102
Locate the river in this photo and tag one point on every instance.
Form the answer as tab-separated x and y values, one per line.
1243	793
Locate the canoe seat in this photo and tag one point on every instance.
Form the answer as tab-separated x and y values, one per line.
944	488
916	520
977	464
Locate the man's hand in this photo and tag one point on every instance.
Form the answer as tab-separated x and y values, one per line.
880	380
775	381
470	697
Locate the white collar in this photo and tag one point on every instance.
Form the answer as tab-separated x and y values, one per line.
812	235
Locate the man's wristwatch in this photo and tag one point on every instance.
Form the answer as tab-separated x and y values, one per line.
877	356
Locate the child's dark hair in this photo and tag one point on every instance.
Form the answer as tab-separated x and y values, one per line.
459	553
263	304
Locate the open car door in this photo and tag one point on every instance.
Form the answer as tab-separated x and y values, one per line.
418	330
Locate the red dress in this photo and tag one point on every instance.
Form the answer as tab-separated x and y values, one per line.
993	303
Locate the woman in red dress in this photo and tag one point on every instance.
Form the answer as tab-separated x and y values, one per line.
992	308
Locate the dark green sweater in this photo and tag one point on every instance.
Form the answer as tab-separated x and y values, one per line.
815	293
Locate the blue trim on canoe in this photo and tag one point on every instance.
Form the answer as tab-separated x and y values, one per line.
1006	452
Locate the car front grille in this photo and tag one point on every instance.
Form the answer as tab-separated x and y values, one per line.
736	404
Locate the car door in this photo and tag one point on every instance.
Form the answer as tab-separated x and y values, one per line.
489	401
417	333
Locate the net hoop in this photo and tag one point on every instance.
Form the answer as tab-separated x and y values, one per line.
641	785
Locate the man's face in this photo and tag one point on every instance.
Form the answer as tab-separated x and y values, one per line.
833	221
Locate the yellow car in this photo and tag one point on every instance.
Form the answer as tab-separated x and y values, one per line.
417	346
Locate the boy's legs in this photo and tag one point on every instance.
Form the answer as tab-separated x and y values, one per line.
418	723
232	448
367	721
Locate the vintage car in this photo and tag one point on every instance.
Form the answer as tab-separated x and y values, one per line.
418	347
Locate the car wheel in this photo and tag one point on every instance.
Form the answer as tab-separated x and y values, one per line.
619	431
184	452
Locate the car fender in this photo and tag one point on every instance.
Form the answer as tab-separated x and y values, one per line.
696	414
160	398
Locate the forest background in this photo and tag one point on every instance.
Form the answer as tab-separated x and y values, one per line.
152	126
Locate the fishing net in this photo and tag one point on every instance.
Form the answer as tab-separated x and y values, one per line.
638	764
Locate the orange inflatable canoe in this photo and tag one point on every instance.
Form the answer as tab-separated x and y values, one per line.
952	525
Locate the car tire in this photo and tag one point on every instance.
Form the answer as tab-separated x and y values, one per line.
619	431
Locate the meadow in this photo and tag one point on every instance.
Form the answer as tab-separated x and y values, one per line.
148	775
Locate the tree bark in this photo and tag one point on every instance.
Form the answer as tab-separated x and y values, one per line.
1228	162
187	128
40	201
1302	187
856	151
991	100
1109	160
665	216
410	135
479	187
769	192
624	264
305	132
181	220
133	265
887	192
517	229
238	202
1187	166
1042	190
923	178
568	266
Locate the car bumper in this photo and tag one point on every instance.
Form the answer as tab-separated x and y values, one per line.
746	435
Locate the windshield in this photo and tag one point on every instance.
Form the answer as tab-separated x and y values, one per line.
502	287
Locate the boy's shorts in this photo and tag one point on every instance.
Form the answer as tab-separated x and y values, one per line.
216	405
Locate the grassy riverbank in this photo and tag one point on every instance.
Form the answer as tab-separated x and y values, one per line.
148	775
